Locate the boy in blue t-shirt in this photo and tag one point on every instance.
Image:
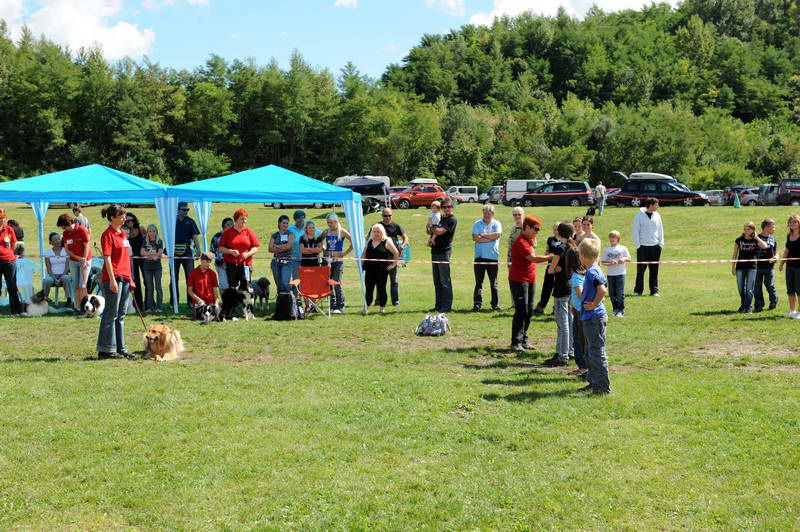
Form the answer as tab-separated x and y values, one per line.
594	318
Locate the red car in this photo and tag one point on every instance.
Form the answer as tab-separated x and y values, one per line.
418	196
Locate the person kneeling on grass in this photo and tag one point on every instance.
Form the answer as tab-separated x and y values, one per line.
594	318
203	285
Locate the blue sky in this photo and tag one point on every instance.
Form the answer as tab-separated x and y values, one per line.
328	33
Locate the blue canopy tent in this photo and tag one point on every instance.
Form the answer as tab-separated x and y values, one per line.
87	184
268	184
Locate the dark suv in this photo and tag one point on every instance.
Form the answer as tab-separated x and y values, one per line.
666	191
574	193
789	191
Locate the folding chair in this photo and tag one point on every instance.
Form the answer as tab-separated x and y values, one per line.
314	284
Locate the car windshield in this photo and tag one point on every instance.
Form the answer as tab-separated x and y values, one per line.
681	186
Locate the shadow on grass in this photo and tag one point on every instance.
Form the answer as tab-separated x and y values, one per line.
532	378
528	397
14	360
713	313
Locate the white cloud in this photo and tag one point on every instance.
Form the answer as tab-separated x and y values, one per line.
550	8
11	11
451	7
349	4
201	3
84	23
152	5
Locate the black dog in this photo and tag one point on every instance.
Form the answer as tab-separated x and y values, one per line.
207	313
233	298
261	292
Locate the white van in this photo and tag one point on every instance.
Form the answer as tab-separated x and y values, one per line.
463	194
515	188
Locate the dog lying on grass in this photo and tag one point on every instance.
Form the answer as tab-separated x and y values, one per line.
163	343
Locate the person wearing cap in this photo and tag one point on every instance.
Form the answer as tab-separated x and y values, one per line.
75	239
8	266
238	244
333	238
203	285
186	232
298	230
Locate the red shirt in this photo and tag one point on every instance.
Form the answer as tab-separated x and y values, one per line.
203	284
241	241
8	241
521	269
76	240
115	244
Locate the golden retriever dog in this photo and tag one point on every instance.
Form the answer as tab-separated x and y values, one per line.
163	343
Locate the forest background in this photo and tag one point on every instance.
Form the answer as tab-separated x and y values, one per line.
708	92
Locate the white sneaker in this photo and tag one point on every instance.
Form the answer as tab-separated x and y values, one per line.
336	311
796	316
791	314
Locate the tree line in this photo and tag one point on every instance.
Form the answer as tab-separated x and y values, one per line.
708	92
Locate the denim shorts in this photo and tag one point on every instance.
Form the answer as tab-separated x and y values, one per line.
78	275
793	281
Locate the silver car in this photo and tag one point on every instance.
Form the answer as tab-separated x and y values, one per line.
715	197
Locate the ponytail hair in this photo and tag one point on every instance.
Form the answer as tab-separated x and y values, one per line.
112	211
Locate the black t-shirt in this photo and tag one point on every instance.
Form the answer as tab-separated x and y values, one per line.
748	250
393	231
560	279
794	253
310	259
136	243
444	241
767	253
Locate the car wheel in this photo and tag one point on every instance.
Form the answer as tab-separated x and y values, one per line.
636	202
574	203
528	203
318	205
795	202
471	200
277	205
688	202
751	203
404	204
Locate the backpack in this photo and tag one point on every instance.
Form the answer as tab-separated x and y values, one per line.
433	325
287	307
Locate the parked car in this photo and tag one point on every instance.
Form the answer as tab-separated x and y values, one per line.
493	194
749	196
418	196
300	205
398	188
789	191
768	194
574	193
463	194
729	192
715	197
515	188
666	189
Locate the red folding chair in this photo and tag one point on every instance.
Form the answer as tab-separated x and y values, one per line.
314	284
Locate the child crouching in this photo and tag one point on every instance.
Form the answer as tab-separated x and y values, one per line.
594	318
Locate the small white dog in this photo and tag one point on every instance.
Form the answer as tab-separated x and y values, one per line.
38	306
92	305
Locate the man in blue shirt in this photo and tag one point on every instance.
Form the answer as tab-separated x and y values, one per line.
186	232
486	234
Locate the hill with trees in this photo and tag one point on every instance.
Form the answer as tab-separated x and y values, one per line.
708	92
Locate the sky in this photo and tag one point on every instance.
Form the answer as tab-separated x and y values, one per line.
328	33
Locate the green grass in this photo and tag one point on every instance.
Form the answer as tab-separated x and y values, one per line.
354	422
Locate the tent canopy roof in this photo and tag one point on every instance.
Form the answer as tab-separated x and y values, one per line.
94	183
363	182
268	184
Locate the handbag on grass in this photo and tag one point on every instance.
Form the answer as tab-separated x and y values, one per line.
433	325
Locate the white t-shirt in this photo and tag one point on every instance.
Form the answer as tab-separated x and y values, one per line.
58	264
615	253
434	218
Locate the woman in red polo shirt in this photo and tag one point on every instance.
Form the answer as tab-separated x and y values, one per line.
238	244
116	284
8	262
75	239
522	280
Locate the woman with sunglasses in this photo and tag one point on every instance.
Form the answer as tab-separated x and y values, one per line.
522	281
792	251
136	239
238	244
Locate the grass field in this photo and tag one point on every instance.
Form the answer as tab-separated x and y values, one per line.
355	423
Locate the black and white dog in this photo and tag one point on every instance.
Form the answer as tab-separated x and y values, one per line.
37	306
261	292
233	298
92	305
207	313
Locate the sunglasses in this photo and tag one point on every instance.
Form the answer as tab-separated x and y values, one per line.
447	206
537	229
184	210
387	215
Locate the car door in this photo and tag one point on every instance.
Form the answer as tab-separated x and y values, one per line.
425	196
668	194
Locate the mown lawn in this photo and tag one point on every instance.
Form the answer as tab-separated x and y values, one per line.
354	422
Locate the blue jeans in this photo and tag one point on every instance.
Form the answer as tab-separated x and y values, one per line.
765	279
594	329
599	204
746	281
111	338
616	291
563	322
578	341
337	295
442	285
152	285
282	273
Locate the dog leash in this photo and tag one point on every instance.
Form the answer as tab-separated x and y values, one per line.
139	312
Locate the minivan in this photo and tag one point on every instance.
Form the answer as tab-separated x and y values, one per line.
666	189
789	191
574	193
464	194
